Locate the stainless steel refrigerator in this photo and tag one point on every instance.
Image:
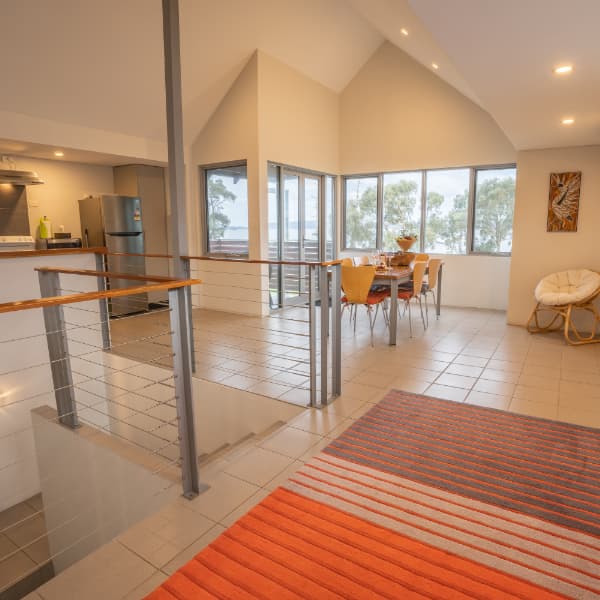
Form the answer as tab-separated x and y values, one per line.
116	222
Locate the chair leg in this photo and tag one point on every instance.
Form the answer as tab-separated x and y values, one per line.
426	310
355	311
371	322
409	317
422	316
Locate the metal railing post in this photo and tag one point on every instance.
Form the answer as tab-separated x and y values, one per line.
324	300
103	304
336	330
58	350
187	269
182	370
312	333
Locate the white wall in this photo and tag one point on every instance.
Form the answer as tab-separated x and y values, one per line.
536	252
396	115
231	134
64	184
298	125
25	378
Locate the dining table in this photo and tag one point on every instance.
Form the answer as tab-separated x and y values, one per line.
394	277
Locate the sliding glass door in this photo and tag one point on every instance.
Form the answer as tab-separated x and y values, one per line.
301	228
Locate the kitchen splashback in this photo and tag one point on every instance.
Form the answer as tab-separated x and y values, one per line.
14	217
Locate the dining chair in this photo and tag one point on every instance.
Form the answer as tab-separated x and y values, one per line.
430	286
414	293
356	285
422	257
347	262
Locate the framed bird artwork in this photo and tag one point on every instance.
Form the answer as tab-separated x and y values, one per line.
563	203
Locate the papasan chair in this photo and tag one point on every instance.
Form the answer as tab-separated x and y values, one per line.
562	294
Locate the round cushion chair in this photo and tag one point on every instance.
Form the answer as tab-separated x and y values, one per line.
561	294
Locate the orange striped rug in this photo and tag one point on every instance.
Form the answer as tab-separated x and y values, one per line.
420	498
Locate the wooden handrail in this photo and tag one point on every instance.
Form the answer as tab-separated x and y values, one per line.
113	275
104	250
52	252
294	263
86	296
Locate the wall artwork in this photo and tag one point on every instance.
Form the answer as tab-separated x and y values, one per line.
563	203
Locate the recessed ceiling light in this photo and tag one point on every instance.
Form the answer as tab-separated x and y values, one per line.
404	31
563	69
435	66
568	121
59	153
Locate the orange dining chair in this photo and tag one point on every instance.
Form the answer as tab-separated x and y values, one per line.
347	262
356	285
414	293
430	286
422	257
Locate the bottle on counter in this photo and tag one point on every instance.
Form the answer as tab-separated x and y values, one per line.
45	228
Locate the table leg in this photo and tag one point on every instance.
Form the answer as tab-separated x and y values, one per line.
438	302
393	310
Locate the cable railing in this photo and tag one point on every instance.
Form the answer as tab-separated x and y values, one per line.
268	327
96	403
281	341
92	441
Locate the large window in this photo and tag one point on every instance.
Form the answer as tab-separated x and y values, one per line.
494	208
401	206
446	215
226	204
452	211
361	212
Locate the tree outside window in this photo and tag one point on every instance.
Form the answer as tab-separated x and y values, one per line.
447	217
401	207
226	196
494	209
361	212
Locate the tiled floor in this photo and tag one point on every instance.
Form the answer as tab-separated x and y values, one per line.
23	540
467	356
262	355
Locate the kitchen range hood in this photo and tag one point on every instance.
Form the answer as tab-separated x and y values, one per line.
19	177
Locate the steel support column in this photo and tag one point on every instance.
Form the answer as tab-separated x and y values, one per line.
187	269
312	330
176	168
103	304
182	370
324	346
58	350
336	330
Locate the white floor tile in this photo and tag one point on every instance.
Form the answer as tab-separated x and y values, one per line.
291	442
447	393
226	493
258	466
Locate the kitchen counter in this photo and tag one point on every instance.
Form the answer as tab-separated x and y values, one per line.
53	252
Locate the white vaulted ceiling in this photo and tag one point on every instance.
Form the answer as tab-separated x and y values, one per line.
507	49
98	64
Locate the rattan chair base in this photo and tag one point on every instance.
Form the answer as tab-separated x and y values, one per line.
564	314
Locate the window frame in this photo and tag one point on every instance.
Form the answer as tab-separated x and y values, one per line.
473	169
203	170
473	207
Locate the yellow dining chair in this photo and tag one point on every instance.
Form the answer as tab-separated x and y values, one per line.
422	257
414	293
356	285
347	262
430	286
